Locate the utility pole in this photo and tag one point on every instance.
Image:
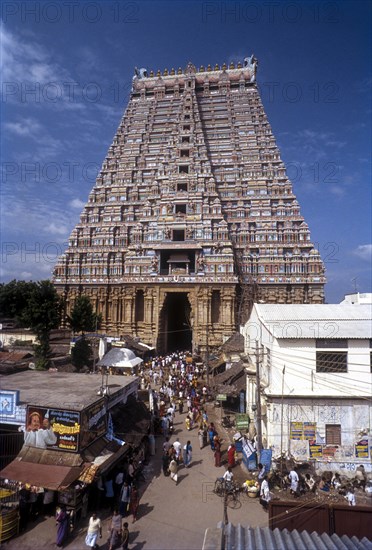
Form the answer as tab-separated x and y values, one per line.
258	404
281	424
207	358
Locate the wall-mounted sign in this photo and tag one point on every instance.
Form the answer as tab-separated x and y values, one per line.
303	430
316	451
361	449
329	452
309	430
52	429
221	397
93	423
242	421
297	429
8	402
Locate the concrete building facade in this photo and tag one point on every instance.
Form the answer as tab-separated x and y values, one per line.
316	381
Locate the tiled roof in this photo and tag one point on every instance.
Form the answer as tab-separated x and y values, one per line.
234	343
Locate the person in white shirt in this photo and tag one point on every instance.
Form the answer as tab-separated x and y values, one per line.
265	496
228	477
94	529
294	479
350	497
177	447
39	432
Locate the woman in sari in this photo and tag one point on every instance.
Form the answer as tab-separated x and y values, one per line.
62	520
134	503
217	451
231	455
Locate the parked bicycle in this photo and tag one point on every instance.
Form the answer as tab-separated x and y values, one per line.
229	490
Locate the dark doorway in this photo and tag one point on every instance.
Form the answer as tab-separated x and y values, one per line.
175	332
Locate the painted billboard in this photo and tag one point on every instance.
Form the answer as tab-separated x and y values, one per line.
52	429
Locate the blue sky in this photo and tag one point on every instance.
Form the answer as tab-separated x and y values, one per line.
67	70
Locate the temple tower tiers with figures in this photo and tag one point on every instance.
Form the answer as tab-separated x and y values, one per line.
192	216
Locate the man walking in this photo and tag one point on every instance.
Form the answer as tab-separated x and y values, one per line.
173	468
94	529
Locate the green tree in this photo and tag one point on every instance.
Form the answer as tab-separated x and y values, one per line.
83	318
14	297
81	353
42	313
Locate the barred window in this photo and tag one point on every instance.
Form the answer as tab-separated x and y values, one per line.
333	434
331	361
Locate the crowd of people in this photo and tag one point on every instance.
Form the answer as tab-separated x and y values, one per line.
300	484
177	386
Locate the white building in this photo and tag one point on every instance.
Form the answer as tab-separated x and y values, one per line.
315	372
358	298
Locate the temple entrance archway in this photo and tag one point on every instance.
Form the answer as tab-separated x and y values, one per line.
175	331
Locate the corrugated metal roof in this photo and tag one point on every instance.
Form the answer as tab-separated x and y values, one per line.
317	320
262	538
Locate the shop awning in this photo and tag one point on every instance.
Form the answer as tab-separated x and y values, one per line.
48	476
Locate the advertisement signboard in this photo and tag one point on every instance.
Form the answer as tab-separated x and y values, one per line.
361	449
52	429
93	423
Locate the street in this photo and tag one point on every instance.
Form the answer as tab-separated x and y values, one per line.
169	516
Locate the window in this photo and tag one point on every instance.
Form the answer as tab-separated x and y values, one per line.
180	208
185	153
139	306
181	186
178	235
216	306
331	361
183	169
333	434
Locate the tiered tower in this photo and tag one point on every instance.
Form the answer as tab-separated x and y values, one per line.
192	216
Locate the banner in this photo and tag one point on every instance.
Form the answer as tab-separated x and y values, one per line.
52	429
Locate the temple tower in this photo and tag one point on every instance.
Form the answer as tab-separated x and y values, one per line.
192	216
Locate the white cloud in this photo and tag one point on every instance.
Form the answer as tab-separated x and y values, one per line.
337	190
364	251
77	203
54	229
25	127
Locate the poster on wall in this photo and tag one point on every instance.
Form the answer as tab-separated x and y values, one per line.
315	450
8	403
309	430
329	452
361	449
297	429
52	429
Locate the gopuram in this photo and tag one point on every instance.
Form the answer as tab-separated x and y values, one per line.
192	216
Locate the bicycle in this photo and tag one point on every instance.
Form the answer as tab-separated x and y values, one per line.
219	487
233	497
229	490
